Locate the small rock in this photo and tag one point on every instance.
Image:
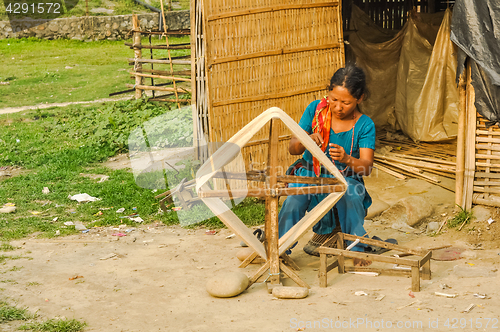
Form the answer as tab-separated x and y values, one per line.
378	206
432	226
290	292
227	284
45	190
409	210
80	227
245	252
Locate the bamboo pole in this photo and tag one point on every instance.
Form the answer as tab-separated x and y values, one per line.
389	171
171	100
168	51
175	62
164	72
271	225
460	167
162	47
469	143
192	45
157	88
152	65
162	77
270	53
261	10
137	56
161	33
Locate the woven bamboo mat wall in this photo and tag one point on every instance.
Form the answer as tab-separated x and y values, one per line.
265	53
487	172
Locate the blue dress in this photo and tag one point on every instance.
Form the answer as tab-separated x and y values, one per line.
352	206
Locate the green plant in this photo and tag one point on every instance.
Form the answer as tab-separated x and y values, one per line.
7	247
10	313
55	325
462	218
37	69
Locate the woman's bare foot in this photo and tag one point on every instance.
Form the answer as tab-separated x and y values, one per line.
361	262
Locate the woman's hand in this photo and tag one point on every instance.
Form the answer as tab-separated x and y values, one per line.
316	137
296	148
338	153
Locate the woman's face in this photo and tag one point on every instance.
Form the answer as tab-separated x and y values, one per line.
342	103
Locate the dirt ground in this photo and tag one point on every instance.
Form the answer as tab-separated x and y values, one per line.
156	280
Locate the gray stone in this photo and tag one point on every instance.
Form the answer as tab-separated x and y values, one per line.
227	284
432	226
481	212
378	206
409	210
80	227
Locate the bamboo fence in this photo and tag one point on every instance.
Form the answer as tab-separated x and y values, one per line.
166	82
478	152
252	55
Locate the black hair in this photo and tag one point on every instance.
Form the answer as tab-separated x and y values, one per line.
352	78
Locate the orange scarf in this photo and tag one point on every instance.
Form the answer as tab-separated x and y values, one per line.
322	123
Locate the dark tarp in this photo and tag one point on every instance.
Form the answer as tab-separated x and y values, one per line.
475	29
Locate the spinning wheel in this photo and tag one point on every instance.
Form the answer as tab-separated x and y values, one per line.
273	248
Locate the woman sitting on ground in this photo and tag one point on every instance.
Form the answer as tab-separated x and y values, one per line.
348	138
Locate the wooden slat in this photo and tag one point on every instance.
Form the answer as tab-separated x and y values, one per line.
433	160
175	62
216	61
486	183
487	175
160	47
389	171
270	9
162	77
486	132
169	33
419	164
378	258
164	72
157	88
487	140
268	96
486	190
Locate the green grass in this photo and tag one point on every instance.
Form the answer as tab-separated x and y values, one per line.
56	145
7	247
37	73
55	325
463	217
3	258
10	313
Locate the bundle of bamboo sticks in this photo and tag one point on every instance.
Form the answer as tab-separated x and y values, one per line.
405	158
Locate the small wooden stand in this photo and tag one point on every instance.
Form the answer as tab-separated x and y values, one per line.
419	268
